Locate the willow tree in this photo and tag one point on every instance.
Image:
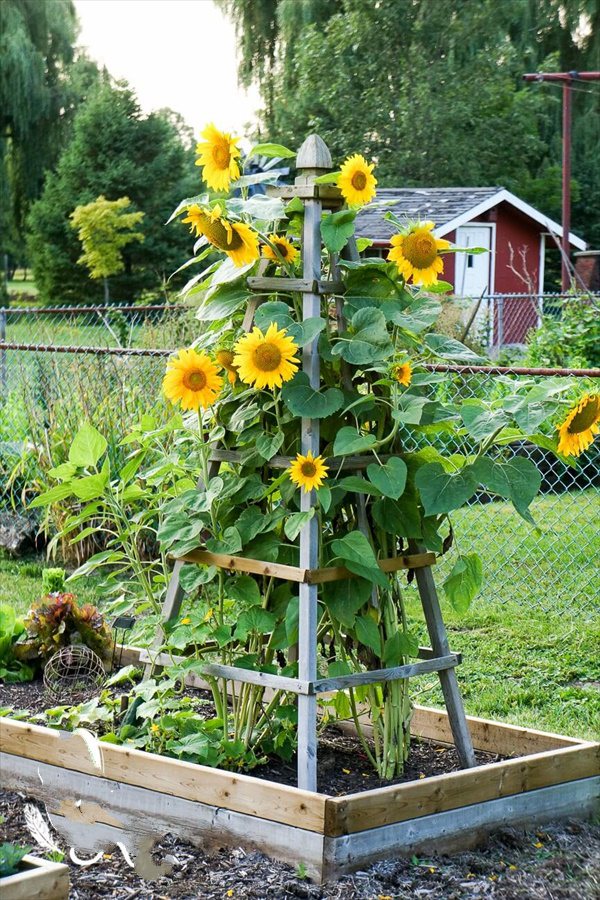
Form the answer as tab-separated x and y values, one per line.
36	48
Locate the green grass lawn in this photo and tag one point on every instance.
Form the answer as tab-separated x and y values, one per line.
21	583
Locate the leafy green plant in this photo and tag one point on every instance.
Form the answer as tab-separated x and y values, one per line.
11	856
53	581
12	669
57	621
569	338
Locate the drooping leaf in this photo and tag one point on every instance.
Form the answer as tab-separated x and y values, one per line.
295	523
231	542
254	619
367	632
271	150
449	348
398	646
442	491
480	422
417	317
464	581
337	228
244	589
359	485
357	555
344	598
518	479
367	340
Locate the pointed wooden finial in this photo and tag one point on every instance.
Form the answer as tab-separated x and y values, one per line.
313	159
314	154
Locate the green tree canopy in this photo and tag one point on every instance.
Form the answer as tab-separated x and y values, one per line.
105	229
432	89
114	151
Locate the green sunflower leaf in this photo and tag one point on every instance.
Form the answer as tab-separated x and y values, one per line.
337	228
303	400
464	581
389	478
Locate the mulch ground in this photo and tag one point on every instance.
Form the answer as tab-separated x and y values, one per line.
555	862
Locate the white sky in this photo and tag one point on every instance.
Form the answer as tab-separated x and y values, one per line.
175	53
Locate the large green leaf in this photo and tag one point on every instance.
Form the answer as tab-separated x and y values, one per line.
359	485
337	228
357	555
87	447
367	632
410	409
442	491
481	423
349	440
390	477
224	301
398	646
244	589
303	400
271	150
90	487
420	314
517	479
296	522
367	340
400	517
254	619
464	581
344	598
231	542
448	348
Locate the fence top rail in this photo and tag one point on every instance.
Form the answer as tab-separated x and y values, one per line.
430	367
497	295
78	310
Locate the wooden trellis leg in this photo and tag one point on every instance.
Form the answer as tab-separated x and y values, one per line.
440	646
312	159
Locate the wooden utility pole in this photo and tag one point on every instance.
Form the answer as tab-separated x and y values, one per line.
566	79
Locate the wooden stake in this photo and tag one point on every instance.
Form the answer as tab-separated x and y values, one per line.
313	158
439	643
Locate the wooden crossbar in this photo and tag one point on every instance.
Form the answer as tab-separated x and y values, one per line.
296	573
301	285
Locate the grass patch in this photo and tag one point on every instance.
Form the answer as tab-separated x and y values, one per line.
21	584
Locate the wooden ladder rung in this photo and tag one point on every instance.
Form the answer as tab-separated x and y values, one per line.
302	285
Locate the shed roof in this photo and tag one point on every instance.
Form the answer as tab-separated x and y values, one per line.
448	207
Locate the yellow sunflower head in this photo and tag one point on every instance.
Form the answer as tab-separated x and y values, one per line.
217	154
236	239
308	471
266	360
285	248
356	181
225	359
578	430
402	372
416	253
192	380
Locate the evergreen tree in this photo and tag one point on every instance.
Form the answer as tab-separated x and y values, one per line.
114	151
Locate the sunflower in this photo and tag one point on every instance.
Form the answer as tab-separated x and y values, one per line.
581	425
236	239
286	249
356	182
225	359
266	360
217	154
416	253
308	471
192	380
402	372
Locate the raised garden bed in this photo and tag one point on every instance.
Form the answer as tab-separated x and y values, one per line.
98	797
37	878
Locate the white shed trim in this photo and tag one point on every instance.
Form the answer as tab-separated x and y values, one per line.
547	223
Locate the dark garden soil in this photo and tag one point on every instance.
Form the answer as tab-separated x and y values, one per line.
343	764
555	862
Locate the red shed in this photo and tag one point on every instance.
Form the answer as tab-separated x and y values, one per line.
514	232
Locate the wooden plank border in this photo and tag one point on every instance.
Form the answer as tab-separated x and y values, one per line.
239	793
93	813
459	829
441	793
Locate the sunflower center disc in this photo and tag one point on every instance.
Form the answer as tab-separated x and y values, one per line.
586	417
419	249
267	357
221	156
359	181
225	358
218	236
283	250
308	469
195	381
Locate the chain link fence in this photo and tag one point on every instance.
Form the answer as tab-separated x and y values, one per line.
106	364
